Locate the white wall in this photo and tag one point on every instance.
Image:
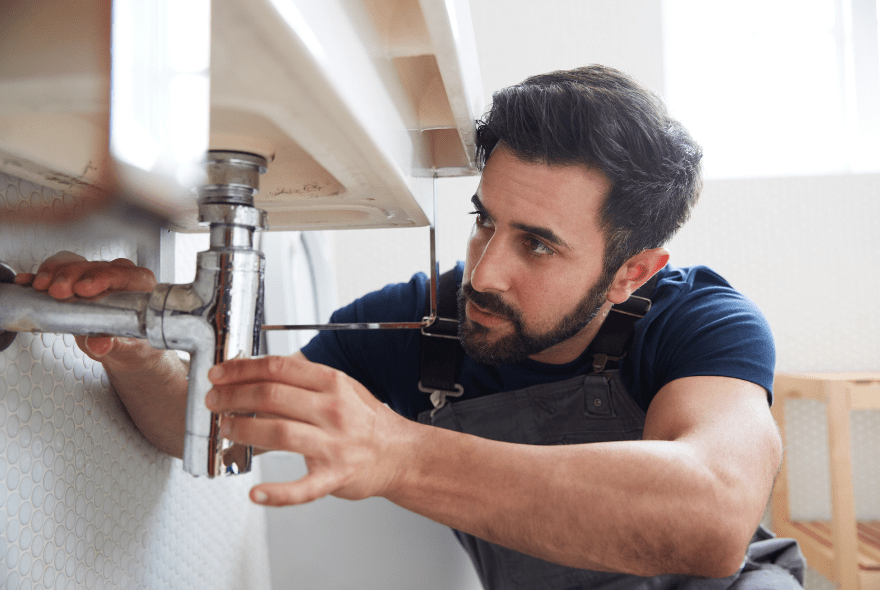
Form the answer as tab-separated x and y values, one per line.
803	249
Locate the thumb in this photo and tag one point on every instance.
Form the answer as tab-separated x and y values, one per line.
120	354
311	487
96	347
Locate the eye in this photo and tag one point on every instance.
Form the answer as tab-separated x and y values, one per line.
537	247
482	219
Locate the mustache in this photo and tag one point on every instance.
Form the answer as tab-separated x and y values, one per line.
491	302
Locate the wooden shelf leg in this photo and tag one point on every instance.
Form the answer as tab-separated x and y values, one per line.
843	512
781	512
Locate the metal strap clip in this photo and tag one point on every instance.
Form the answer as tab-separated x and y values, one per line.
441	328
438	396
601	359
635	306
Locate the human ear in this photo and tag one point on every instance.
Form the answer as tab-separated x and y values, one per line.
635	272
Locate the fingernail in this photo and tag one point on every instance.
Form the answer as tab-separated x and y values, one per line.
260	497
212	398
225	429
216	372
98	346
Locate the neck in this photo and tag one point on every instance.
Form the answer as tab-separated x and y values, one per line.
569	350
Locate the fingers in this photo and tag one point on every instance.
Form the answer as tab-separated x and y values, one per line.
279	434
66	274
276	434
308	489
44	273
293	370
311	409
24	278
275	399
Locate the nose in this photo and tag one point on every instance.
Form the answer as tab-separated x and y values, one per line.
492	269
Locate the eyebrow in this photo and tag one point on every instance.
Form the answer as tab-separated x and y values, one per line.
541	232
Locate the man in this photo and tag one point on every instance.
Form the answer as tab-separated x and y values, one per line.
559	465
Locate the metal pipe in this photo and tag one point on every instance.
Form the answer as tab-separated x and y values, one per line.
215	318
23	309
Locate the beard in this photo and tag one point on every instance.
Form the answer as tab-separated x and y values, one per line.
522	343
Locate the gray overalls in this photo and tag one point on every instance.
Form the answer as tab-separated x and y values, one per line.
586	409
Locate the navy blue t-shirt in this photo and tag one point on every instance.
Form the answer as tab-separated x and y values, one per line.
698	325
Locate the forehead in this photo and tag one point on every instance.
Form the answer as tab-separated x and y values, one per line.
565	199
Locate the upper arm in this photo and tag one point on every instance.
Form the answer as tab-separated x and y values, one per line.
728	428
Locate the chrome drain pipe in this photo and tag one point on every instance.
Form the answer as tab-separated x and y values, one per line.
215	318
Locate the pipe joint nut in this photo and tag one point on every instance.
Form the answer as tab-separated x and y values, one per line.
240	215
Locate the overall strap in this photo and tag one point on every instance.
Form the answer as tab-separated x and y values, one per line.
440	353
615	336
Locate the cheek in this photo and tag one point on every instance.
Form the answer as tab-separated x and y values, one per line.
551	296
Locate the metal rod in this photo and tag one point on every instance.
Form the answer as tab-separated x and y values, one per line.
432	296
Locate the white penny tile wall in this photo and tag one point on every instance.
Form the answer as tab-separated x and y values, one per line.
85	500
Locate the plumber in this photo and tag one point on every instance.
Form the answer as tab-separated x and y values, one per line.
587	416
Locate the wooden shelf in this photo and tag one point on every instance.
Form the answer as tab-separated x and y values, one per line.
868	557
844	550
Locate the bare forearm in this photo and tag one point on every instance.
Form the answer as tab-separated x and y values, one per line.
151	383
642	507
155	396
685	500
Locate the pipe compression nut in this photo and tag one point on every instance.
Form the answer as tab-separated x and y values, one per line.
233	178
241	215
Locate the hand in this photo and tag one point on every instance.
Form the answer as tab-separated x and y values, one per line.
67	275
344	433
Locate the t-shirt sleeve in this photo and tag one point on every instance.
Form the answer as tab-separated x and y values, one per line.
373	356
711	330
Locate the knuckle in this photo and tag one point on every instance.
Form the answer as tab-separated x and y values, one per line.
136	276
331	378
273	395
230	427
333	412
148	276
275	365
285	435
66	271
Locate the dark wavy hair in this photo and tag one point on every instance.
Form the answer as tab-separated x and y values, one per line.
599	117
